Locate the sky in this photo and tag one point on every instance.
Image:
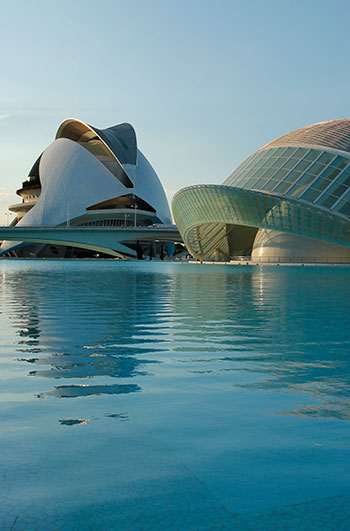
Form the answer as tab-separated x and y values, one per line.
204	83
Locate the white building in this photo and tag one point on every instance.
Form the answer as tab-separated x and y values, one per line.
89	177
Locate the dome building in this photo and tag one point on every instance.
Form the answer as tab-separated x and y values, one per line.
288	201
89	177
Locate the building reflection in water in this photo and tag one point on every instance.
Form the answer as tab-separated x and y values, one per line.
285	329
85	326
270	329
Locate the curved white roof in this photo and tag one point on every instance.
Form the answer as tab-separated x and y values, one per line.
86	166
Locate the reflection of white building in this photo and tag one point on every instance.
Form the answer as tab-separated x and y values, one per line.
89	177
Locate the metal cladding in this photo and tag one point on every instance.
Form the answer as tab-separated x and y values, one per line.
93	177
298	184
333	134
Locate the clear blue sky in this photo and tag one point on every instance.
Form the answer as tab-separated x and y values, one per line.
204	83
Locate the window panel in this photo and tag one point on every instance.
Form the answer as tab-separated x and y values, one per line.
316	168
260	183
340	162
300	186
279	163
291	178
269	173
281	151
336	189
269	185
345	209
325	158
280	174
312	155
343	202
270	162
282	187
289	151
290	163
256	174
344	178
299	153
302	165
249	183
330	173
327	200
311	194
320	184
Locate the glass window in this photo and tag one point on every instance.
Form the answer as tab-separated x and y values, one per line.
264	184
336	189
269	185
312	155
325	158
282	187
288	181
281	151
340	162
289	151
280	175
320	184
264	154
327	200
344	199
300	152
344	178
311	194
256	174
302	165
279	163
316	168
269	173
330	173
300	186
293	176
345	209
290	163
269	162
249	183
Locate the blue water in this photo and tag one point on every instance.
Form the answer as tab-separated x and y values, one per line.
174	396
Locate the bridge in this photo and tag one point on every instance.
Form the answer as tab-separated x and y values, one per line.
100	239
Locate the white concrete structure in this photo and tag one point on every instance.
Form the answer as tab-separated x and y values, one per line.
88	177
100	239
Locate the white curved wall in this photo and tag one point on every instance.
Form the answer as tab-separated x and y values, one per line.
278	246
149	188
73	179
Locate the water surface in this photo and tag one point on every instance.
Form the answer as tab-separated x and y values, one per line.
174	396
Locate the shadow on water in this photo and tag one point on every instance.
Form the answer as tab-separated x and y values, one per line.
269	329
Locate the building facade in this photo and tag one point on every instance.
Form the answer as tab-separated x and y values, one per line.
290	200
94	178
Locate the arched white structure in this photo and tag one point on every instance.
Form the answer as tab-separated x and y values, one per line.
91	177
277	246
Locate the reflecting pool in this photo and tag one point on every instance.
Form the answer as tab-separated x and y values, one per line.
145	395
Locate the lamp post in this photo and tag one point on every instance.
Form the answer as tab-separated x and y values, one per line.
135	215
8	214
